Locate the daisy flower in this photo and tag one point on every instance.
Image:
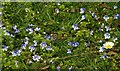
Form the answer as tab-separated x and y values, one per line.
108	45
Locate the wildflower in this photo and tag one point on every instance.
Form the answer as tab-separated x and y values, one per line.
30	30
58	4
30	25
114	39
58	68
108	45
69	51
51	61
75	26
106	17
36	58
5	48
115	6
6	32
70	69
116	16
107	28
48	48
27	10
91	32
86	44
100	41
31	48
43	45
83	17
44	32
57	11
101	49
63	27
14	27
47	37
17	30
30	62
104	56
23	46
94	15
37	29
107	35
73	44
35	43
16	53
82	10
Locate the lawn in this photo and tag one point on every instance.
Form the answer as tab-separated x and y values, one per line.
72	36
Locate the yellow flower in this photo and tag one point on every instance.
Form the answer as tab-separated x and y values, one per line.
108	45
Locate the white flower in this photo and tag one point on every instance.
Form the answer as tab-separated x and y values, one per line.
106	17
82	10
107	35
115	6
83	17
75	26
101	49
114	39
36	57
108	45
107	28
37	29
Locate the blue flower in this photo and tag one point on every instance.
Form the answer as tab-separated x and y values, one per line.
104	56
83	17
107	35
94	15
91	32
35	42
5	48
6	32
23	46
116	16
16	53
17	30
31	48
75	26
101	49
43	45
114	39
49	48
70	69
36	58
47	37
69	51
107	28
115	6
31	25
106	17
73	44
14	27
58	68
37	29
82	10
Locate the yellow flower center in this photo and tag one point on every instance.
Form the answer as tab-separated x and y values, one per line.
108	46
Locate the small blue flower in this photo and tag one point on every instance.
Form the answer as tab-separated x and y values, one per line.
43	45
5	48
36	58
114	39
49	48
106	17
47	37
26	42
107	35
70	69
94	15
37	29
6	32
69	51
17	31
116	16
16	53
73	44
115	6
107	28
101	49
31	25
31	48
82	10
23	46
14	27
91	32
86	44
58	68
30	30
35	42
83	17
75	26
104	56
